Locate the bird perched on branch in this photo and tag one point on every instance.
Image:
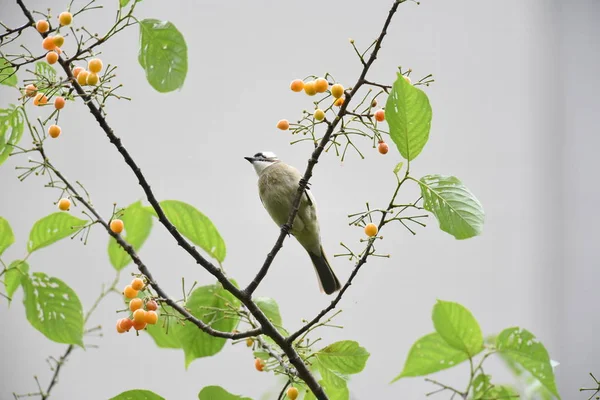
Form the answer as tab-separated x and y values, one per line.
277	187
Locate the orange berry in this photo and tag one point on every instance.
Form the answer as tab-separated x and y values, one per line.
76	71
58	40
130	292
283	124
139	315
310	88
119	328
42	26
337	90
137	284
116	225
319	114
82	77
371	230
64	204
54	131
40	99
58	50
321	85
135	304
297	85
383	147
151	305
138	326
407	79
126	324
95	65
48	43
292	393
65	18
30	90
52	57
249	342
259	364
151	317
59	103
339	102
380	115
92	79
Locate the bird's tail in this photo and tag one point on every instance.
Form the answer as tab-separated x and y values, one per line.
328	282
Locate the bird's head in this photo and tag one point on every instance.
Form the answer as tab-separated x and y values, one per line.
262	160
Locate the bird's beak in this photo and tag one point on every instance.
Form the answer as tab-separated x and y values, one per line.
250	159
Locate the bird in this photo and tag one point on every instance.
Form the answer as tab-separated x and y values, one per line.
277	187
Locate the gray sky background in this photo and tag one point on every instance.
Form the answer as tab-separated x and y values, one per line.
514	102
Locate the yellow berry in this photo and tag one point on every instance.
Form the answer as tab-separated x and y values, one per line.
319	114
292	393
371	230
65	18
297	85
82	77
48	43
249	342
52	57
42	26
310	88
337	90
54	131
116	225
58	40
130	292
137	284
321	85
339	102
151	317
139	315
95	65
76	71
135	304
92	79
64	204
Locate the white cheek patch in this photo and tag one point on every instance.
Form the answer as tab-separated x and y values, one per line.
259	166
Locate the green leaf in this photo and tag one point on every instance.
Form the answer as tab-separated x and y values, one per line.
163	55
11	130
346	357
8	75
7	236
500	393
271	309
123	3
12	277
456	208
218	393
335	392
457	326
53	308
522	347
398	167
209	304
430	354
46	76
137	394
138	224
195	226
481	386
165	333
408	114
53	228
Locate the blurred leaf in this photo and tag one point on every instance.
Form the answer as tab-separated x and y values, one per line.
334	392
430	354
481	386
12	277
166	332
271	309
137	394
408	114
195	226
53	308
163	55
123	3
11	130
456	208
53	228
457	326
398	167
345	356
500	393
8	74
46	76
522	347
138	224
218	393
7	236
209	304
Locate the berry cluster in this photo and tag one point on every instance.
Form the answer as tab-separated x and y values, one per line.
142	312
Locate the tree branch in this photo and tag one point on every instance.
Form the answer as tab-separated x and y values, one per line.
286	228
